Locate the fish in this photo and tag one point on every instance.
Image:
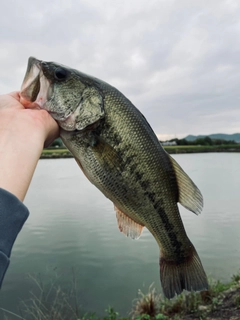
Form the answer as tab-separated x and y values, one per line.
118	151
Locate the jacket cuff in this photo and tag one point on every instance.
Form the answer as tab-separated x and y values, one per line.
13	214
4	263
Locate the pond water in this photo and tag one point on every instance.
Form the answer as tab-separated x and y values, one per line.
72	232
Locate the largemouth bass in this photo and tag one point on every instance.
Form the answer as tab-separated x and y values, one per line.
119	153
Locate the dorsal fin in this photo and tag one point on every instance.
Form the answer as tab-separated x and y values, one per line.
128	226
189	195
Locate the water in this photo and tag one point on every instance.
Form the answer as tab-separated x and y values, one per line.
72	228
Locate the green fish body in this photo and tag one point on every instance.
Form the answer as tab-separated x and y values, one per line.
119	153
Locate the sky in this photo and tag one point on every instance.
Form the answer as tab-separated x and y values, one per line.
178	61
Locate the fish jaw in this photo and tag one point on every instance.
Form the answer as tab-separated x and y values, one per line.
35	87
32	72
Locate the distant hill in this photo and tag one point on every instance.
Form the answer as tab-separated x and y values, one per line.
234	136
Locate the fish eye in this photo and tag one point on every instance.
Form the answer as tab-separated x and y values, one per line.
60	74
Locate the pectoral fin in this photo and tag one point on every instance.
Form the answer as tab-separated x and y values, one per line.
106	154
189	195
127	226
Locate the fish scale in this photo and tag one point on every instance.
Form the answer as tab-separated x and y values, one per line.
119	153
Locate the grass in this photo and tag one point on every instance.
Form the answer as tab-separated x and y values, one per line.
56	153
146	304
52	303
200	149
193	305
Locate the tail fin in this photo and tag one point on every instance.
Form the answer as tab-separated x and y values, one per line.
177	276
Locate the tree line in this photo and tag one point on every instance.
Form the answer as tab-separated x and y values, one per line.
206	141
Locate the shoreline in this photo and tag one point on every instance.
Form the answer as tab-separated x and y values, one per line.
61	153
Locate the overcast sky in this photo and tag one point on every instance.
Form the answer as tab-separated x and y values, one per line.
177	61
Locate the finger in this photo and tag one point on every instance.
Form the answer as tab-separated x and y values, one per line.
15	95
10	100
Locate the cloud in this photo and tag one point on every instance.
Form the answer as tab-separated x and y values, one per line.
177	61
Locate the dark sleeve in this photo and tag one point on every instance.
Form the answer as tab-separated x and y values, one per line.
13	214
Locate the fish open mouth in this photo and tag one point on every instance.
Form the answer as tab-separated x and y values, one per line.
35	90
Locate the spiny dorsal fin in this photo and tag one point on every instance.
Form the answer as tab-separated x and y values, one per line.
127	226
189	195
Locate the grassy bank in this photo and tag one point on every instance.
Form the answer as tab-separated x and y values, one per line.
52	153
221	301
202	149
55	153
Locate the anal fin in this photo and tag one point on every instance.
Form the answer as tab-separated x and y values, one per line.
106	154
128	226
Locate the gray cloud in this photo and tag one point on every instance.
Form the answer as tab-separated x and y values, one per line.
177	61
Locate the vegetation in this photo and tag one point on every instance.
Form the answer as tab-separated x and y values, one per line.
221	301
51	153
57	143
205	144
206	141
215	136
202	149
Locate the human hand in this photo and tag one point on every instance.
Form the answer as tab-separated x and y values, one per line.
23	134
32	122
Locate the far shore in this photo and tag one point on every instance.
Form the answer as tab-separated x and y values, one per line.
59	153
